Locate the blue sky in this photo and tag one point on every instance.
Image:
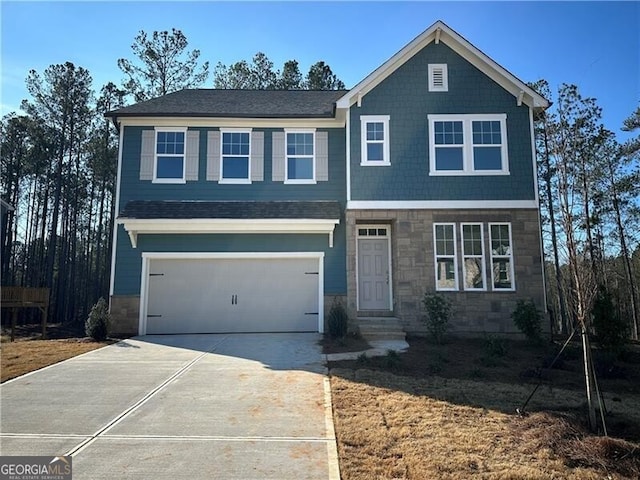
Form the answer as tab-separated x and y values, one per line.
592	44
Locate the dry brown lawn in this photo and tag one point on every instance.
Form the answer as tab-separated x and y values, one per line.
448	412
26	355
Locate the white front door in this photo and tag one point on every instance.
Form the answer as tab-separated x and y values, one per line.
374	268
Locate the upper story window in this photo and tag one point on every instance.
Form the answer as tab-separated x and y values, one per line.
375	140
468	145
169	156
235	163
300	157
438	77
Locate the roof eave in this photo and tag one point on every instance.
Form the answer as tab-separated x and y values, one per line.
439	31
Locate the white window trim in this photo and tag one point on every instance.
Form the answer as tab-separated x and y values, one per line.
510	257
445	77
384	119
155	156
306	181
467	146
481	257
236	181
455	288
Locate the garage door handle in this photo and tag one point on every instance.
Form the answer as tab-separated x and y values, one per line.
234	299
311	313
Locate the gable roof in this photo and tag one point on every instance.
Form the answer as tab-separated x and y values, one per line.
203	102
440	32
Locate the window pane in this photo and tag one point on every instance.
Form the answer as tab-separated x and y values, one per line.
448	133
486	133
375	131
446	274
444	240
362	232
299	168
235	143
382	231
500	240
449	158
374	152
487	158
170	143
501	274
472	241
235	167
473	273
372	232
169	167
299	143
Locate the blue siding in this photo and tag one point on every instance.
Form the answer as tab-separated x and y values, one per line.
129	260
132	188
405	97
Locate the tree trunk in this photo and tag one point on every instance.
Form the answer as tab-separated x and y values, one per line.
588	378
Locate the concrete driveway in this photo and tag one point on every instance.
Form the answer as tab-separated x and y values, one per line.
242	406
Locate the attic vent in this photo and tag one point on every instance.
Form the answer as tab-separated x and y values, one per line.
438	79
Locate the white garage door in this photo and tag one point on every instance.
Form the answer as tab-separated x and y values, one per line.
232	295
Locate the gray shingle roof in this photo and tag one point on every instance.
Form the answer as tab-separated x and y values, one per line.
189	209
237	104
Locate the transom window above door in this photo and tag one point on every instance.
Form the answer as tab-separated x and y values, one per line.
235	164
372	231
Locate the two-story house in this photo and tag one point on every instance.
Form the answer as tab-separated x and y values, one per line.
251	211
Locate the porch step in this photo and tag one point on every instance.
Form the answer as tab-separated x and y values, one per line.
380	328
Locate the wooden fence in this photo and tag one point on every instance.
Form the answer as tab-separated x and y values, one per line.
15	298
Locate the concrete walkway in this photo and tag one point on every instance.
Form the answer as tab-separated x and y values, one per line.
252	406
379	348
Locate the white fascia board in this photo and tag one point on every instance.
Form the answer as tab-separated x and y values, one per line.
135	226
461	46
337	122
440	204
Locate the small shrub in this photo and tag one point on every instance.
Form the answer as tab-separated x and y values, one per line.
610	329
338	320
438	315
97	324
495	347
528	319
363	359
392	359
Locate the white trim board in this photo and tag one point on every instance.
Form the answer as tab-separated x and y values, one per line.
440	204
135	226
148	256
232	122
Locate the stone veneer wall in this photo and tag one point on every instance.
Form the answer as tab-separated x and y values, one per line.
125	313
413	266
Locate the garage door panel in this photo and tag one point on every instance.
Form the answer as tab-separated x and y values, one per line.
232	295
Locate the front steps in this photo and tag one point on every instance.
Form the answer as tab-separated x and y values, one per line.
374	329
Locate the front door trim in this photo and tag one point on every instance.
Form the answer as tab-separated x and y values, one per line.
386	236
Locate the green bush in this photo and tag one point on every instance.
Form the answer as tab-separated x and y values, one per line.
438	315
495	347
97	324
528	319
338	320
610	329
